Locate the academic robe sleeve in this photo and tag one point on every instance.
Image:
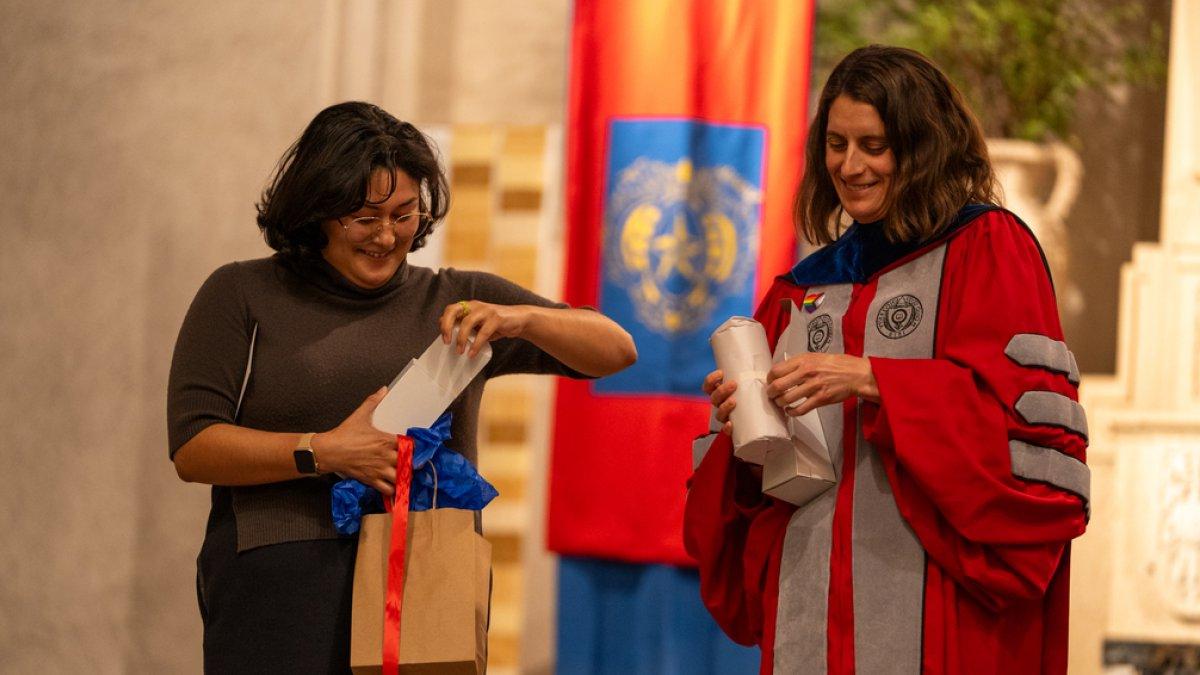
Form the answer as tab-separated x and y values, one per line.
734	531
953	430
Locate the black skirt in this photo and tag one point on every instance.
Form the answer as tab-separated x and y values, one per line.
283	608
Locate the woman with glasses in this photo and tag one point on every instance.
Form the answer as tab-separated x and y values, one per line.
925	338
280	362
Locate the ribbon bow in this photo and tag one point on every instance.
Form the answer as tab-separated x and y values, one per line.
440	477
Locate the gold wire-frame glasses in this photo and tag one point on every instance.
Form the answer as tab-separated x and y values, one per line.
366	228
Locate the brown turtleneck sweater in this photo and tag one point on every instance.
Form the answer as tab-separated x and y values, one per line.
322	346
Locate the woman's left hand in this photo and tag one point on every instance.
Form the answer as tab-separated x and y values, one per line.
485	321
816	379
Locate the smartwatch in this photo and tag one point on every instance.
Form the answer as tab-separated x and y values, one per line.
306	459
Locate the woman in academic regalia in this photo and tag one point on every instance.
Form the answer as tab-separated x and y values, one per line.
936	363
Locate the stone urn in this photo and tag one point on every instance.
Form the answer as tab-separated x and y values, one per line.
1041	182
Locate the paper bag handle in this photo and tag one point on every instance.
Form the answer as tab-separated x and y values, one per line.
435	484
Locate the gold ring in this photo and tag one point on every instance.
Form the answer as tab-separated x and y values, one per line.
464	308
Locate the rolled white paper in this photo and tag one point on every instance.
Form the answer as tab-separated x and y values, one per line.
740	348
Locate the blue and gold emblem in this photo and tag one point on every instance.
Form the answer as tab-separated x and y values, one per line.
681	224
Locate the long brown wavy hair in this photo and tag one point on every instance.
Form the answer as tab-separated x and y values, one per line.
941	158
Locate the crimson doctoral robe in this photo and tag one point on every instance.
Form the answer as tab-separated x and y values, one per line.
944	547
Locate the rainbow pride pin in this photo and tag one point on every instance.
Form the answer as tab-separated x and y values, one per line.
812	301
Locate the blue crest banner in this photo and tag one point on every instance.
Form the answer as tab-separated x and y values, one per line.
684	145
682	212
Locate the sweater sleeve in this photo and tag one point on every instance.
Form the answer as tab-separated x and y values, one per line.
985	444
210	359
512	356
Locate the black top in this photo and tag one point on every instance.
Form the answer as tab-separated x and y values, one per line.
322	346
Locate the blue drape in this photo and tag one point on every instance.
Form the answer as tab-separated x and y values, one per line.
626	619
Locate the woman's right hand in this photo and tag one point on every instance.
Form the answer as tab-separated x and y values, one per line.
721	394
358	450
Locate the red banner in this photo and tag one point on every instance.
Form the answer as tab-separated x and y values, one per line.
687	123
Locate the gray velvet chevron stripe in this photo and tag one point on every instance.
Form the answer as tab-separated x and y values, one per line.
1047	407
714	425
702	443
1047	465
888	561
700	448
804	570
1039	351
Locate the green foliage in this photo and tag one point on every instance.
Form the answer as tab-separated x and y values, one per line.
1020	63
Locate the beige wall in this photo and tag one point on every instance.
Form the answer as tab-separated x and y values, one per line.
491	62
136	138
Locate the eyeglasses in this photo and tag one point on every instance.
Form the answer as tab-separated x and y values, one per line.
366	228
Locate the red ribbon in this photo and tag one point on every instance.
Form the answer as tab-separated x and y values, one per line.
396	549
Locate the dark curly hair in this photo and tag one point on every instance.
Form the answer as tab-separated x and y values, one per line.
941	158
327	172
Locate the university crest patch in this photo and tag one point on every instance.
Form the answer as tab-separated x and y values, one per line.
820	333
899	316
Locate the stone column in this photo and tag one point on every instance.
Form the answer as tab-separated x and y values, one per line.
1181	170
1136	590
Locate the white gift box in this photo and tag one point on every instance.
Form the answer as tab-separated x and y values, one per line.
799	474
791	475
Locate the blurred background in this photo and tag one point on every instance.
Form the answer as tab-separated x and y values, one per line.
136	137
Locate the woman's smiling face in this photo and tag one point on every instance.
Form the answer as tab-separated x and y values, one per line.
371	263
859	158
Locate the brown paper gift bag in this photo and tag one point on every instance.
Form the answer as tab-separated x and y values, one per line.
447	585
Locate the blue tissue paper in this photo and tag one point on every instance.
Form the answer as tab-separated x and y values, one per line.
438	473
351	499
